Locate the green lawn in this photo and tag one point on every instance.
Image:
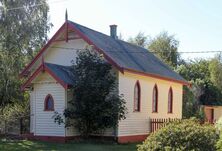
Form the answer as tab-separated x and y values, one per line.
24	145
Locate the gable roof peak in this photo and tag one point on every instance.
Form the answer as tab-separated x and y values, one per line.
121	54
66	15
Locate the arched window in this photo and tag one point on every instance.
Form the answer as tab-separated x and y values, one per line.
170	101
49	103
137	96
155	99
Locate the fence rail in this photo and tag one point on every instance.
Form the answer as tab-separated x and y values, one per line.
158	123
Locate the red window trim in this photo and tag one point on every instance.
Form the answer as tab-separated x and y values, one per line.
139	95
170	101
156	109
45	103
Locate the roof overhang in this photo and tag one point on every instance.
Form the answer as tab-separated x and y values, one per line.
70	26
25	71
61	29
157	76
40	69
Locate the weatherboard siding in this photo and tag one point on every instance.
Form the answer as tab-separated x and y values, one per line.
59	54
44	122
137	123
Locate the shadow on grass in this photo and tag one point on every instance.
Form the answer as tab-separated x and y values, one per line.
25	145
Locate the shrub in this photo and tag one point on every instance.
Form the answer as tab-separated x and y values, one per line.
219	125
219	129
185	135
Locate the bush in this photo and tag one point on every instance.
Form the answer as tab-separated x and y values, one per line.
183	135
219	125
219	129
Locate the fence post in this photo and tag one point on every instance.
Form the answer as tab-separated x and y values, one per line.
156	123
21	125
151	130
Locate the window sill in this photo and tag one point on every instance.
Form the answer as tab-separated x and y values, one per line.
169	112
49	110
154	112
136	111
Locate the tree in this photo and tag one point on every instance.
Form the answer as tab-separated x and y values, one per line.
165	47
140	40
23	27
14	114
215	67
204	90
96	104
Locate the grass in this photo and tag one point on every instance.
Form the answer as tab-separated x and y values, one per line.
25	145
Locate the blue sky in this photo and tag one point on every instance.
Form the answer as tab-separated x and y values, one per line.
196	24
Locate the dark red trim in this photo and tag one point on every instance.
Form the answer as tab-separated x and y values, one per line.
64	139
64	26
170	101
156	105
32	77
46	102
59	40
212	114
58	139
132	138
109	59
56	78
42	67
42	50
67	32
156	76
139	95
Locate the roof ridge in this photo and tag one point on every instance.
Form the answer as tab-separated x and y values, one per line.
143	62
90	29
109	36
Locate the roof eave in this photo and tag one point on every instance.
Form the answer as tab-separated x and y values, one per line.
158	76
25	70
40	69
71	26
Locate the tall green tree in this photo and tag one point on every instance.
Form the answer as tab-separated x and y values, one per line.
204	90
140	40
96	104
165	47
215	67
23	26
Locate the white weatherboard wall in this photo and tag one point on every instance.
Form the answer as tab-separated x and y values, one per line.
62	53
44	123
137	123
